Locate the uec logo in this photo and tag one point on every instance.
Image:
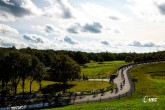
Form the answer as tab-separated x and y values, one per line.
149	99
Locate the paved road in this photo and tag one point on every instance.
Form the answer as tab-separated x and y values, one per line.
118	80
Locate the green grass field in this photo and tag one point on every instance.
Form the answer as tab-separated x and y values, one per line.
122	104
95	70
150	82
35	85
72	86
150	79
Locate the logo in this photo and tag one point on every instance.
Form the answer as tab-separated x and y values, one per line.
148	99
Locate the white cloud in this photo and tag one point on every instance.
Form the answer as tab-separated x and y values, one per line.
7	30
142	44
112	17
86	26
18	8
34	38
135	43
69	43
92	12
40	42
87	13
74	28
59	8
148	10
104	42
9	42
70	40
94	27
149	44
117	31
100	13
48	29
6	17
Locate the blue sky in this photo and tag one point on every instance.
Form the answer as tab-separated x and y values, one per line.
84	25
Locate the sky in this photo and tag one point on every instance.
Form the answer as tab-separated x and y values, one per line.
84	25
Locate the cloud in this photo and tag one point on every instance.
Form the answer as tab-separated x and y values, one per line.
60	8
83	16
34	38
135	43
117	31
6	42
9	42
161	8
105	42
142	44
113	18
149	44
93	28
66	43
148	10
7	30
74	28
14	7
40	42
102	13
88	22
19	8
48	29
70	40
65	9
6	17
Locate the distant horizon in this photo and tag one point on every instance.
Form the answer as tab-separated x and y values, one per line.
115	26
85	51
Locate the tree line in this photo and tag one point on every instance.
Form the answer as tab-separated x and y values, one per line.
35	65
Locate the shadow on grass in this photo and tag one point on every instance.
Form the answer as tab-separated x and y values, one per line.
52	88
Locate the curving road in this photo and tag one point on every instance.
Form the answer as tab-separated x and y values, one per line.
122	74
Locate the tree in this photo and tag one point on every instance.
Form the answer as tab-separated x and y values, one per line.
5	75
13	63
37	71
41	73
107	56
128	59
100	59
81	58
63	68
137	59
96	58
25	69
91	56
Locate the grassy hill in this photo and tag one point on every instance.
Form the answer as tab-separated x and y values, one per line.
150	81
95	70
